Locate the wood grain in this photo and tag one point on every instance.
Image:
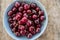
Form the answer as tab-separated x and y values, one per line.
53	29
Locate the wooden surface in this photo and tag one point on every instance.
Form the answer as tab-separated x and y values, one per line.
53	29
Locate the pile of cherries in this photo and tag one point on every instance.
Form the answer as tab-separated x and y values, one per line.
25	19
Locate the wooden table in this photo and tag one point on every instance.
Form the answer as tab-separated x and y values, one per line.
53	29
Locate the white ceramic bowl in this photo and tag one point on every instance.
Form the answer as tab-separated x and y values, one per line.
6	24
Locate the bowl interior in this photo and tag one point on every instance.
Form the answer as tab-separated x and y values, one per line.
6	24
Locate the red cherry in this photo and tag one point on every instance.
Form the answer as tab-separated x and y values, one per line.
14	30
36	21
14	9
21	27
26	6
42	18
25	15
34	12
34	16
14	23
23	4
10	13
20	9
29	35
19	13
14	18
11	26
31	28
23	32
17	34
33	32
27	32
18	17
37	30
37	9
33	5
17	4
41	13
10	20
13	15
38	26
24	11
21	22
24	19
18	30
29	23
29	11
30	17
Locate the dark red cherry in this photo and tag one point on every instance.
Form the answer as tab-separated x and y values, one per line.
29	35
20	9
26	6
17	4
33	5
42	18
10	13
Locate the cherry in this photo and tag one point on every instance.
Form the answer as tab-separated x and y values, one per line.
21	27
31	28
10	20
20	9
10	13
33	32
11	25
27	32
17	33
42	18
14	9
21	22
38	26
41	13
29	23
30	17
26	6
34	11
29	11
24	19
37	30
17	4
36	21
13	15
18	17
34	16
23	4
33	5
25	15
14	23
23	32
14	30
24	11
37	9
29	35
19	13
14	18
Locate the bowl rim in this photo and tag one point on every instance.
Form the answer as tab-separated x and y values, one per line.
40	32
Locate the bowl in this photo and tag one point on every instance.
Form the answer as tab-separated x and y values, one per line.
6	24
